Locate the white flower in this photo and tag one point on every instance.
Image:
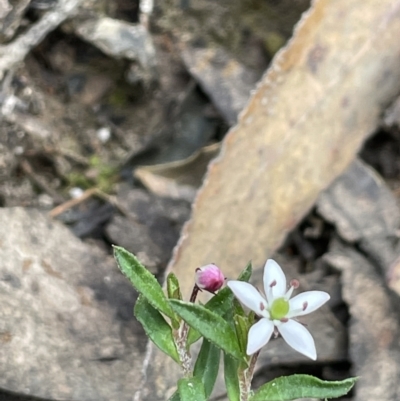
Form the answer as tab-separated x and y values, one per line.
278	310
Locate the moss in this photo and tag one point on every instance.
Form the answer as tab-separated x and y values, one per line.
76	179
102	176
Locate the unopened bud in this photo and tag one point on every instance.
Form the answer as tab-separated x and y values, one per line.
209	278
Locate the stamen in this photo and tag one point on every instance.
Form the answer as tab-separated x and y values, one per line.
305	304
262	306
273	284
284	320
295	284
289	293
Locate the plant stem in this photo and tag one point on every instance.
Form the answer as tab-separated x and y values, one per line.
246	377
180	337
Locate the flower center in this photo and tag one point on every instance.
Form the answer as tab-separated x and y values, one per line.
279	309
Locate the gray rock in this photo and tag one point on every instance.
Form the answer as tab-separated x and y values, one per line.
374	327
224	79
120	39
364	211
10	17
391	117
66	325
155	230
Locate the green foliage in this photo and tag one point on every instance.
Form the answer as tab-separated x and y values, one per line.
104	178
207	365
76	179
173	289
191	389
231	366
210	325
221	303
106	174
245	275
175	396
143	281
242	329
288	388
156	327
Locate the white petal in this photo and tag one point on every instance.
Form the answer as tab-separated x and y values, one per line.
299	338
273	274
309	301
248	296
259	334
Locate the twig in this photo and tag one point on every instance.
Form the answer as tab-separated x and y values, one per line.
14	52
71	203
88	194
28	170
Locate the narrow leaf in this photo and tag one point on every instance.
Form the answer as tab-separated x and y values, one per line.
242	329
156	327
302	386
191	389
245	275
207	365
219	304
143	281
231	378
173	289
210	325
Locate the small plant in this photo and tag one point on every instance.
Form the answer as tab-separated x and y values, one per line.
225	328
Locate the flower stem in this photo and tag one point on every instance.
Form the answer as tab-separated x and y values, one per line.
246	377
184	355
180	337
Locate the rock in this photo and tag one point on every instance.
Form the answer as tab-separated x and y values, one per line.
224	79
364	211
374	327
120	39
392	114
66	324
5	8
156	229
10	18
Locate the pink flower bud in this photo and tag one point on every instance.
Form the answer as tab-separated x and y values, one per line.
209	278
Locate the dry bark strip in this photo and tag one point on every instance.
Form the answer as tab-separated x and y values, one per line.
303	126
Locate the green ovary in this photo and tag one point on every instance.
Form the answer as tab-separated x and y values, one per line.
279	309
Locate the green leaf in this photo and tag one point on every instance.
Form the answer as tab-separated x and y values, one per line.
207	365
175	397
219	304
210	325
231	378
302	386
173	289
242	329
143	281
245	275
156	327
191	389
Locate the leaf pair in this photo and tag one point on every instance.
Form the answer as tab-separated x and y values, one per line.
151	304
